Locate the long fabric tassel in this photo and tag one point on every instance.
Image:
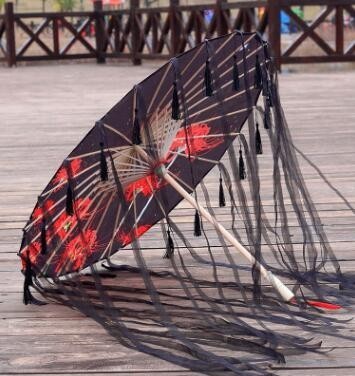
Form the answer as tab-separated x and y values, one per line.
28	298
175	112
169	245
197	229
103	164
258	78
69	207
267	118
208	80
43	238
236	83
242	173
258	144
136	134
222	199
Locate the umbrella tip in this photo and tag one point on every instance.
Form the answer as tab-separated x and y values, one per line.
319	304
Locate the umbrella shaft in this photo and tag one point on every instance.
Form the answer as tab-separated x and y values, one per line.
283	290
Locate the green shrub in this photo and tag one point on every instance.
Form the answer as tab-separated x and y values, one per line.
65	5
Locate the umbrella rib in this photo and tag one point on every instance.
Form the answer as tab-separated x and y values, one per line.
227	114
202	67
225	85
110	244
195	157
61	199
54	252
224	100
97	152
86	225
45	193
153	190
193	58
182	182
119	226
118	133
168	67
218	66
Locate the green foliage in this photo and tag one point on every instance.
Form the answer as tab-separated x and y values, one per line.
2	2
65	5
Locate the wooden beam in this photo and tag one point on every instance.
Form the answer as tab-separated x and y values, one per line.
10	34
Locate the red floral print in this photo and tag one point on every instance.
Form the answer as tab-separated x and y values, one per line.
197	142
62	175
32	251
146	185
46	208
127	238
77	250
64	222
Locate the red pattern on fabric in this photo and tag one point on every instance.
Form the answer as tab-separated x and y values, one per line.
77	250
64	222
62	175
197	143
127	238
146	185
32	251
46	208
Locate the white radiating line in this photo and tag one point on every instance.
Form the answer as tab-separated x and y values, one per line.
182	182
226	99
98	151
195	157
55	250
30	225
202	46
119	226
109	247
222	75
168	67
227	114
202	67
87	223
197	84
59	185
122	135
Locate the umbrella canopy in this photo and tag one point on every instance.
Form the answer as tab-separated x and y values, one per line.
184	116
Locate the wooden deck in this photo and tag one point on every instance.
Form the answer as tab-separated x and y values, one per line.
46	110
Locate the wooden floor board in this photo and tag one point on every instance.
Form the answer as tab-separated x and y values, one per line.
46	110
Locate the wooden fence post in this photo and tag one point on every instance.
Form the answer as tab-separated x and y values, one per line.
100	34
274	9
339	30
175	27
135	32
222	26
10	34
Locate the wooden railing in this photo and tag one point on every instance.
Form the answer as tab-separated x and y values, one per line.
138	33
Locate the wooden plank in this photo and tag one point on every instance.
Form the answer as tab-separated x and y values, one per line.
58	340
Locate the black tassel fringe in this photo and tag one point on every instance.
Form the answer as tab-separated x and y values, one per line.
169	246
28	298
267	118
136	134
258	78
103	164
197	229
208	80
175	112
69	201
242	174
222	199
258	144
43	238
236	83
